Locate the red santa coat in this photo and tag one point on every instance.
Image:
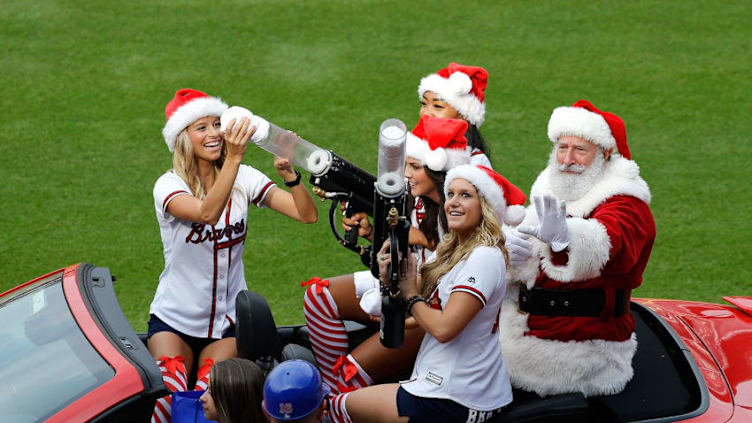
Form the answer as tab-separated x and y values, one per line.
611	233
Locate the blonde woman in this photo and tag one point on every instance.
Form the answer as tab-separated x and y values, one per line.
459	374
202	210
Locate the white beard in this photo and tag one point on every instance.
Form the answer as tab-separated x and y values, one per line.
573	186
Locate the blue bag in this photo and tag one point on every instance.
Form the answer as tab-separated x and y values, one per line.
186	408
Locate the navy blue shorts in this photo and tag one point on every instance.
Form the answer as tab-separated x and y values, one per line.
438	410
197	344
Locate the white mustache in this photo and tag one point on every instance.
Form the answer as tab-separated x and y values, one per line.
574	168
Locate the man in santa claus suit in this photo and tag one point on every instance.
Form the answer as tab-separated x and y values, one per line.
575	259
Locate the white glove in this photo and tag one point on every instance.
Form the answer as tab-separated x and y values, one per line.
519	249
552	217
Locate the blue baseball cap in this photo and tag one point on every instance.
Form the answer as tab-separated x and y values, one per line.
293	390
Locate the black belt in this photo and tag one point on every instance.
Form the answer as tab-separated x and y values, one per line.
577	303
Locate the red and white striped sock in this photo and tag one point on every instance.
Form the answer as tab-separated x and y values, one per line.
327	332
202	375
350	376
338	409
175	379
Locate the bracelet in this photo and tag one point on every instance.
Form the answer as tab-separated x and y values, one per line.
295	182
414	300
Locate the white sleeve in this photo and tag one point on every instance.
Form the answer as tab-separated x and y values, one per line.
254	184
477	157
167	187
483	273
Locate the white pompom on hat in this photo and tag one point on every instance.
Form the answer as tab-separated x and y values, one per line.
438	143
584	120
462	87
186	107
506	199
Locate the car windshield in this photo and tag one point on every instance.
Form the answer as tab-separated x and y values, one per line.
46	362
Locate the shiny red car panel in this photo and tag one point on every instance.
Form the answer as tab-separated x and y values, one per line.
126	381
742	303
719	338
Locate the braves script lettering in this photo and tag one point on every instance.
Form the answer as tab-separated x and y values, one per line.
198	235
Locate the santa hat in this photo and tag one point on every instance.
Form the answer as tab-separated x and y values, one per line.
438	143
583	120
506	199
462	87
185	108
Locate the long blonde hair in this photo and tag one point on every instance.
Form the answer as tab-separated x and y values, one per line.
185	164
451	251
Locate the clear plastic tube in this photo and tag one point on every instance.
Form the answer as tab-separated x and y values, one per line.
284	143
391	176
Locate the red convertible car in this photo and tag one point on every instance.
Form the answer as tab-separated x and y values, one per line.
67	354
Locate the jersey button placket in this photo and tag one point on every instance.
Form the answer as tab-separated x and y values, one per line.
221	306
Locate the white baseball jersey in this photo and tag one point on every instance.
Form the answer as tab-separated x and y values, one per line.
204	263
469	369
478	157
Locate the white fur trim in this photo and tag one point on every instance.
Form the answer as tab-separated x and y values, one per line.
416	148
582	123
589	247
419	150
189	113
486	186
461	82
455	91
620	177
549	367
436	159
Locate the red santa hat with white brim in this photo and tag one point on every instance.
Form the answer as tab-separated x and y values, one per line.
584	120
186	107
438	143
506	199
462	87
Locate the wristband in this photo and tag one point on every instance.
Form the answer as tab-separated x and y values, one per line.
412	301
295	182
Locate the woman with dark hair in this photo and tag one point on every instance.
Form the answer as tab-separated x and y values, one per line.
434	146
235	392
457	92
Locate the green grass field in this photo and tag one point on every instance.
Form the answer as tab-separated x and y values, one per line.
84	85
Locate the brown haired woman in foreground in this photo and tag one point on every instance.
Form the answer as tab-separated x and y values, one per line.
235	392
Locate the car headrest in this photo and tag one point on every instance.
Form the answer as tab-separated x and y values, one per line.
256	334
